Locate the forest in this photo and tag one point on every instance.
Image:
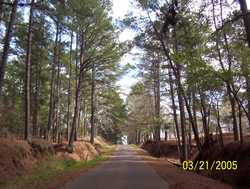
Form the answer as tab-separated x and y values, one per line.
62	70
59	64
194	71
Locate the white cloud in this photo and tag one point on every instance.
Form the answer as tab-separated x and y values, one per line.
127	34
120	8
128	80
125	85
248	3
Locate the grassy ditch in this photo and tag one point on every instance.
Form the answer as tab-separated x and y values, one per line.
134	146
48	170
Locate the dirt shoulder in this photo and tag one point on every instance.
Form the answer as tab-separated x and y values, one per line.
34	165
177	178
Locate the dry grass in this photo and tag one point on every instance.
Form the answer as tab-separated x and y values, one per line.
16	158
21	163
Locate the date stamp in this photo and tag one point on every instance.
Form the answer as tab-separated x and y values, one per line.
207	165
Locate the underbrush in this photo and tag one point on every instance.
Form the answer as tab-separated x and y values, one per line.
161	149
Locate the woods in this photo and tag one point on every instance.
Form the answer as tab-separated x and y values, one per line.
82	81
59	67
199	58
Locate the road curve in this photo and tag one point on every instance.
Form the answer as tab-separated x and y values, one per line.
124	170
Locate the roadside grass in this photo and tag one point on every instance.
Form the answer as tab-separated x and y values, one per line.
134	146
49	169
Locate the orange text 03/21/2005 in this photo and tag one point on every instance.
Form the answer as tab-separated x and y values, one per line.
219	165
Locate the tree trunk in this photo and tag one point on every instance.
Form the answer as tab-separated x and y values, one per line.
183	125
77	72
1	10
174	111
77	96
76	110
84	118
182	92
76	57
156	70
69	87
178	84
78	120
92	134
229	91
35	102
194	108
229	81
240	125
52	85
182	116
139	137
27	75
246	19
6	47
58	96
233	112
177	72
219	126
204	116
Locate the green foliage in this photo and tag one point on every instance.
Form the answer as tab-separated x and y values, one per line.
114	116
137	89
205	51
55	66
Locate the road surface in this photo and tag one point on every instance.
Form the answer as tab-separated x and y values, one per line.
124	170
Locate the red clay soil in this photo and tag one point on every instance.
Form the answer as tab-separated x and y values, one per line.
162	149
232	151
179	179
18	157
15	158
82	151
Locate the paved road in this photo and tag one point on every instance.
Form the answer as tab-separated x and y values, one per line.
124	170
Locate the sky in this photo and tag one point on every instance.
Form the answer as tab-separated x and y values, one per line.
120	9
130	78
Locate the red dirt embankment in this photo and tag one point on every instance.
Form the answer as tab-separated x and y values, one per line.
163	149
177	178
18	157
233	151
